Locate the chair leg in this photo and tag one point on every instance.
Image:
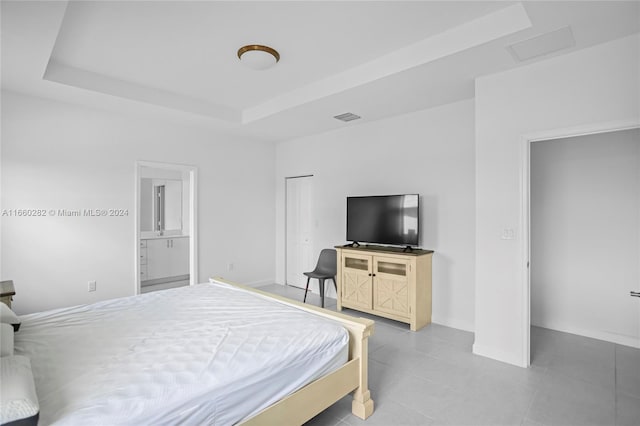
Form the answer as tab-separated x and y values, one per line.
335	285
306	290
321	283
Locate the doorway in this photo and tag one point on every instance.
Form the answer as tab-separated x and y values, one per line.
299	218
581	234
166	226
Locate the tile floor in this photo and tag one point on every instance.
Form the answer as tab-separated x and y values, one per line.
430	377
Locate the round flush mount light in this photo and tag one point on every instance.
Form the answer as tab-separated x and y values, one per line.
258	57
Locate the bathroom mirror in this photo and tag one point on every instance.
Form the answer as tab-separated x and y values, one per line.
160	205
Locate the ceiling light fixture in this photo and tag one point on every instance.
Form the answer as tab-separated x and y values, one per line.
258	57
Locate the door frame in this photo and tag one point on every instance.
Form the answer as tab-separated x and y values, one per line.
286	236
525	208
193	216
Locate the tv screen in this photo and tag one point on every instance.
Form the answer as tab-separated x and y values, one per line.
385	219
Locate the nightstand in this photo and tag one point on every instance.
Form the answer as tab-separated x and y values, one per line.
7	291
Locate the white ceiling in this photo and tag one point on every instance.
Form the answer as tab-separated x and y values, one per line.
177	59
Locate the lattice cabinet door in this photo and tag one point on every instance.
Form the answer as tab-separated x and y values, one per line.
357	281
391	286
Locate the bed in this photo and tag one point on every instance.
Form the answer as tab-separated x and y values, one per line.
214	353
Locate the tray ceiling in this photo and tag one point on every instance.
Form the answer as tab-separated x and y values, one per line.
375	59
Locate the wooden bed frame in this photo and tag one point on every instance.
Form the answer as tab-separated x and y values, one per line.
304	404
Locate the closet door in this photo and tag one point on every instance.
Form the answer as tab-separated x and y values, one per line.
299	230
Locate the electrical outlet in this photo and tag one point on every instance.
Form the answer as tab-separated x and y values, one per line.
230	266
92	286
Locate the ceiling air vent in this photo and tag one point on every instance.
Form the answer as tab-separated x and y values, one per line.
347	116
542	44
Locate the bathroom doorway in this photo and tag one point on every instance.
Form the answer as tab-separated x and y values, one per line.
165	234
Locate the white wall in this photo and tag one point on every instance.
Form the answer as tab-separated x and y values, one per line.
428	152
585	223
59	156
590	86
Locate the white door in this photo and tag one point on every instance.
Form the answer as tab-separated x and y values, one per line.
299	229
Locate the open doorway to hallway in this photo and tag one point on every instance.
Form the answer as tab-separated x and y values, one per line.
585	237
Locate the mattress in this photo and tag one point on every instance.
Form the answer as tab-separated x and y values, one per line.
204	354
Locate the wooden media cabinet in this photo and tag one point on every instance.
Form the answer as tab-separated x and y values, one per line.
386	281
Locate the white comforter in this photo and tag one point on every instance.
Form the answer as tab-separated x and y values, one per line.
205	354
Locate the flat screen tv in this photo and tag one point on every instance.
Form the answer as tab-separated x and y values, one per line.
384	219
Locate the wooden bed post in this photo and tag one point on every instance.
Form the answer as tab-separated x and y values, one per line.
362	405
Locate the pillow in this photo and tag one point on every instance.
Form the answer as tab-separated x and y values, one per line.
8	317
18	400
6	339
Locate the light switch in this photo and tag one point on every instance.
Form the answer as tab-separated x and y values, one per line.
508	234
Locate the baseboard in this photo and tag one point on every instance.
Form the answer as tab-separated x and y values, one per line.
593	334
453	323
497	354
